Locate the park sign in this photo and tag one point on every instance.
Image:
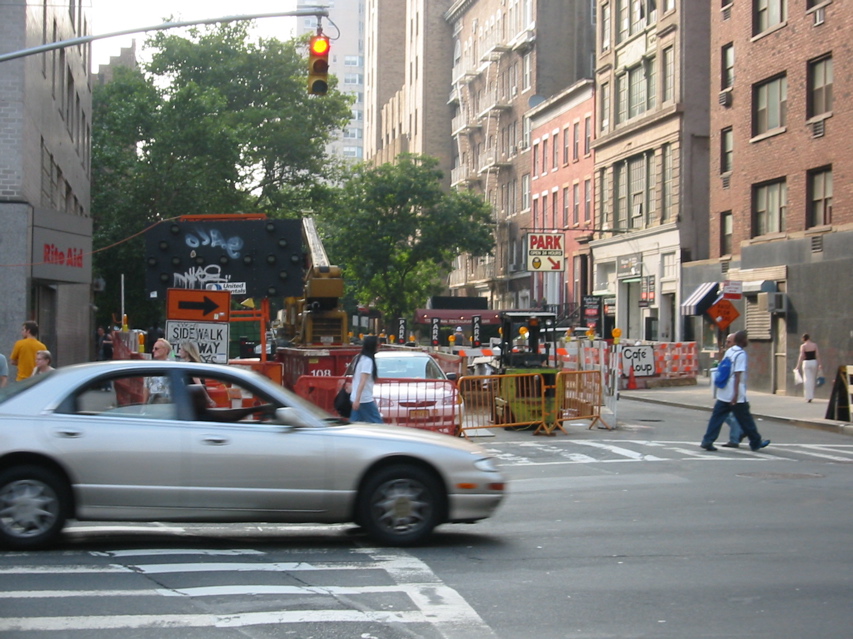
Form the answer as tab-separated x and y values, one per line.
545	252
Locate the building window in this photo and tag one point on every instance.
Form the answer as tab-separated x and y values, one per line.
820	197
556	146
587	136
353	78
353	152
726	233
525	191
576	141
526	73
535	160
770	204
544	211
576	204
636	91
634	15
820	86
668	74
565	206
587	200
535	213
620	187
666	183
554	205
769	13
545	155
726	150
771	105
727	66
566	145
605	107
605	26
353	61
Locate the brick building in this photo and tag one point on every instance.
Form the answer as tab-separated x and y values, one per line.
562	175
45	141
780	215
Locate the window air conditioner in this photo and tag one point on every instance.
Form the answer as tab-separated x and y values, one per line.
777	303
725	98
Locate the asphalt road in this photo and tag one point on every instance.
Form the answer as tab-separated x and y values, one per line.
628	533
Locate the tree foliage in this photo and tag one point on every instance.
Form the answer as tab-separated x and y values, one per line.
395	232
212	124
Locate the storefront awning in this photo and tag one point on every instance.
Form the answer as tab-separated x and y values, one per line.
700	300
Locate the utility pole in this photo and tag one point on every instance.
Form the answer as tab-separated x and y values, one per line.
320	12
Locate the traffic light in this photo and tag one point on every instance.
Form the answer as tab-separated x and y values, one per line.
318	65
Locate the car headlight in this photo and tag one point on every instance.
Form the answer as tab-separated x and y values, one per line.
486	464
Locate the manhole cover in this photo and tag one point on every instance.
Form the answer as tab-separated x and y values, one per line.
782	475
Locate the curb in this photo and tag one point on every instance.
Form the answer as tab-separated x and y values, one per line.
824	424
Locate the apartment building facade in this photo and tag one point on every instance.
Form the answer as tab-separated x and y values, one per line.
508	57
562	174
409	54
45	164
651	159
780	190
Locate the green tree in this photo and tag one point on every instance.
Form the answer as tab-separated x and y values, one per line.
212	124
395	232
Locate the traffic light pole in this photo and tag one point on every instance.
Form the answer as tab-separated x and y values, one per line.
320	12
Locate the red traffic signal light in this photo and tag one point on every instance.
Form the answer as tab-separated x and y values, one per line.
318	65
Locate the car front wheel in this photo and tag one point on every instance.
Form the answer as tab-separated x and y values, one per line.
34	503
401	505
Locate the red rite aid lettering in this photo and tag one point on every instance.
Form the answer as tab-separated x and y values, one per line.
72	257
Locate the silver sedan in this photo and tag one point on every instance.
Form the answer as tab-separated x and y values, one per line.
165	441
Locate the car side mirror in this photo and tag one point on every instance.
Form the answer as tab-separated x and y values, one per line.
289	416
452	376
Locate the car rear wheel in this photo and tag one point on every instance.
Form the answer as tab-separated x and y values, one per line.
34	503
401	505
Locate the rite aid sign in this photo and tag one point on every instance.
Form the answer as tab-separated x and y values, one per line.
545	252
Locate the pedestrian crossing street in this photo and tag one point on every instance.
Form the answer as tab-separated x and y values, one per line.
560	451
186	592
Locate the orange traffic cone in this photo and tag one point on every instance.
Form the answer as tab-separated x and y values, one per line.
632	381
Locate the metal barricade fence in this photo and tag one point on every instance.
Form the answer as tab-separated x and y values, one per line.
531	400
429	404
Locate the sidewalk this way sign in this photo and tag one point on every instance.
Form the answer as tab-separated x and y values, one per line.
210	337
545	252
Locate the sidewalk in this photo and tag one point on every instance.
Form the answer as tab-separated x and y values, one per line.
793	410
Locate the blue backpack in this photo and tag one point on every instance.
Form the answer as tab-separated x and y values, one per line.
724	371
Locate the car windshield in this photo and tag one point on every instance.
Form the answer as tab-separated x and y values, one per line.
408	368
12	389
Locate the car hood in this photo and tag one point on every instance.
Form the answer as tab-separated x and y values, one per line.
390	433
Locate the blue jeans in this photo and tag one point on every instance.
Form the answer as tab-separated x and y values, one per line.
735	431
368	412
744	417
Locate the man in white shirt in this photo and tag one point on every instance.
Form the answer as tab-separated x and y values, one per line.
732	399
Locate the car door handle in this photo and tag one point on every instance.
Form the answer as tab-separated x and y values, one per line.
68	433
215	440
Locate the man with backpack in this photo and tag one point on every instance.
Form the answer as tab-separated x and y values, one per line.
731	397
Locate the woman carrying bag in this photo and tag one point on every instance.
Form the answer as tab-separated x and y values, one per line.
808	365
364	407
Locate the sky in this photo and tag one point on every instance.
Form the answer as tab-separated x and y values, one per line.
108	16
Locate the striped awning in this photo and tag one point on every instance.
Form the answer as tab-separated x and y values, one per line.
700	300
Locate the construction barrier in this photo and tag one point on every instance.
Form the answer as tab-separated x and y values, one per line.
428	404
541	400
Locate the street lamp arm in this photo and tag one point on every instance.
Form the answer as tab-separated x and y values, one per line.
62	44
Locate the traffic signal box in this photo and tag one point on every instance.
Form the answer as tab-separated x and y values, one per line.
318	65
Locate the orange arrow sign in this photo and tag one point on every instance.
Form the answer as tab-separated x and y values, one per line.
198	305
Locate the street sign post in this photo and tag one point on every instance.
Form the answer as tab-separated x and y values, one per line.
732	290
